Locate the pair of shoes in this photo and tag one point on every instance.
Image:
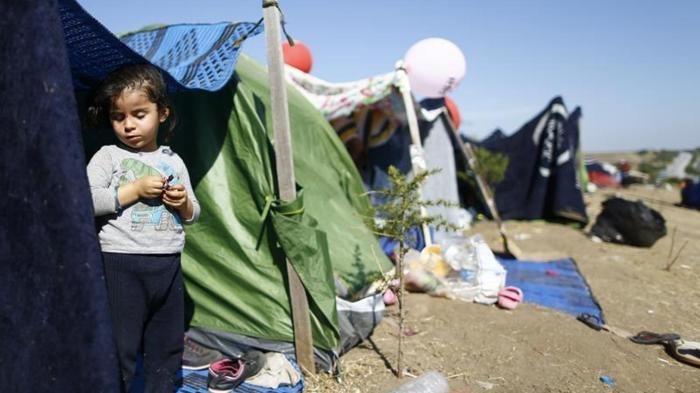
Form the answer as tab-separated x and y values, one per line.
684	351
198	357
226	374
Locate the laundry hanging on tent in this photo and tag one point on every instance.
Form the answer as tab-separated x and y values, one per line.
335	100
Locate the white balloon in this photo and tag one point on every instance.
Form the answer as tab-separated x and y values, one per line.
435	67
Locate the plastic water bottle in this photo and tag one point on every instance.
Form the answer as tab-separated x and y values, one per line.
469	264
430	382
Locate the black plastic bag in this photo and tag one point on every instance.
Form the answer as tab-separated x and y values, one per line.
627	222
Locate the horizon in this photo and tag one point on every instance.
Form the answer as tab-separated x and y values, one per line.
637	151
636	77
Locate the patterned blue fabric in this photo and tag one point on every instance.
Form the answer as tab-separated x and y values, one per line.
555	284
194	56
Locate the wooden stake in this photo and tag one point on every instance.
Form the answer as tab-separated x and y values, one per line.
303	340
668	267
673	243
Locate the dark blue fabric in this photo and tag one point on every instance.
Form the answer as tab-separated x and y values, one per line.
414	239
146	300
555	284
691	195
394	152
494	137
194	56
54	315
540	181
572	125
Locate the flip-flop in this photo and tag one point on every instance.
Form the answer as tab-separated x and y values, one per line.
685	351
645	337
510	297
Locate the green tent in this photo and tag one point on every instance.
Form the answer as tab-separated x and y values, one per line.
233	260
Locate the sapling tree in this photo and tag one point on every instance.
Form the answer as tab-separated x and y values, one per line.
400	209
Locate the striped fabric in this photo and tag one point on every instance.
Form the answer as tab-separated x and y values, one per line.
370	108
374	123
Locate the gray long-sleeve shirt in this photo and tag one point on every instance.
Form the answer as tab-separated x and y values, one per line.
147	226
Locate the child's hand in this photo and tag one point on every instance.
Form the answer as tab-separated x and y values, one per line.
150	186
175	196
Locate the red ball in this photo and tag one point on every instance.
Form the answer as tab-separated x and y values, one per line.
453	111
297	56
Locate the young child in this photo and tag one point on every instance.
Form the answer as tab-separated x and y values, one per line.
142	195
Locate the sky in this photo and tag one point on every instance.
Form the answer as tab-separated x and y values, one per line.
632	66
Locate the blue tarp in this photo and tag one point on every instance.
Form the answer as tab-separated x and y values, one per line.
554	284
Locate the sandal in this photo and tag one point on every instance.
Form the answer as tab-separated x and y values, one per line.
510	297
685	351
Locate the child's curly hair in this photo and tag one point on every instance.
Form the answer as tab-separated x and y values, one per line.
143	77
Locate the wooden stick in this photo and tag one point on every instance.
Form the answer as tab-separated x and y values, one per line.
303	340
470	159
668	267
402	307
673	242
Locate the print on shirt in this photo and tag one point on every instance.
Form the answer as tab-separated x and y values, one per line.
150	213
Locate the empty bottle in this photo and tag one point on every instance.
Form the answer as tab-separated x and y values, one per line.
430	382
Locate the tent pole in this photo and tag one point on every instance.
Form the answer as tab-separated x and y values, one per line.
416	145
303	340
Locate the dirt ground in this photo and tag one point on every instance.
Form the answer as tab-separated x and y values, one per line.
533	349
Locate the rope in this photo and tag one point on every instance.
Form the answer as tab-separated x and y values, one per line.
287	209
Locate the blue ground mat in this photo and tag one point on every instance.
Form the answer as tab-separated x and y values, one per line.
555	284
196	382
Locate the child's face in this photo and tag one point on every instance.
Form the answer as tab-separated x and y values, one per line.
135	120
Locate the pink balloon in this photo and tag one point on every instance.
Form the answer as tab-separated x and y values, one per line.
435	66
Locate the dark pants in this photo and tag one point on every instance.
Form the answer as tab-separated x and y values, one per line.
147	306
